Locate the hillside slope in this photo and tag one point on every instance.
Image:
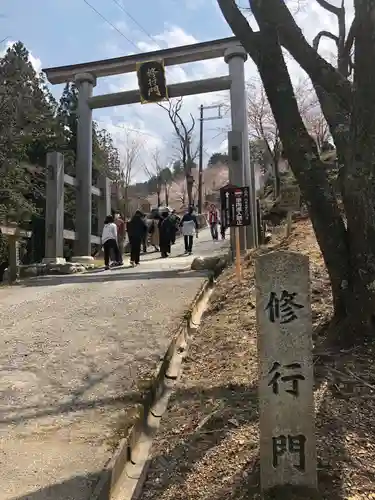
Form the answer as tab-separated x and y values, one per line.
213	179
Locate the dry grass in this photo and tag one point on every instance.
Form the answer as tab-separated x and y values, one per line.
207	448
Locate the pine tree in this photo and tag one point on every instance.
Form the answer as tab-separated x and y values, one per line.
27	129
31	124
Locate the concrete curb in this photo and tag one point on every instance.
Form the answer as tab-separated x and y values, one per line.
125	473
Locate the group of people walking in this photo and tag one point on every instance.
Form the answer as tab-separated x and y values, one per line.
160	231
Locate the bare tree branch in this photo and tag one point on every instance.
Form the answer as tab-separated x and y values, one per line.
327	34
129	158
342	61
184	134
331	8
154	171
319	70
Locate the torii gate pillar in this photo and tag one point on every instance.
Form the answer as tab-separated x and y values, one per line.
85	83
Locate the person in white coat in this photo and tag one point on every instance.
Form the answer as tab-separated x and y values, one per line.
189	225
109	242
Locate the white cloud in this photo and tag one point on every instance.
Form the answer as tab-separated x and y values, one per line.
194	4
35	61
121	25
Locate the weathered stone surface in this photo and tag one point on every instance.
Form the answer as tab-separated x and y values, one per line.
54	260
287	435
83	259
32	270
68	268
210	263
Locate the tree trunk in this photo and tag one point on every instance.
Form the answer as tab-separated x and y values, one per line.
189	188
126	202
359	180
158	200
304	160
276	172
348	250
166	194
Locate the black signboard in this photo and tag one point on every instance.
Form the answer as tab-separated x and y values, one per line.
151	81
235	206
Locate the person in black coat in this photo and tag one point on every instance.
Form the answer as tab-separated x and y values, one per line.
175	219
137	229
165	234
145	236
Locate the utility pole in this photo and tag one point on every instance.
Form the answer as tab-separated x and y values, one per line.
200	175
200	178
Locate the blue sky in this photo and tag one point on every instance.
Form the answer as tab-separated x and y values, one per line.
60	32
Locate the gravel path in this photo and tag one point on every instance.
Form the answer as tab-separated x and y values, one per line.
71	350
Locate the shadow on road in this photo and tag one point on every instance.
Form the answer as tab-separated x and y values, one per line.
105	277
37	411
67	490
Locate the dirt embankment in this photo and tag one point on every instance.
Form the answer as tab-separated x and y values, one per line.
208	447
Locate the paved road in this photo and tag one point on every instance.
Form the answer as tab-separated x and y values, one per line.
71	349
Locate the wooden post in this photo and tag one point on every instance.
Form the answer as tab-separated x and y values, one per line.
238	254
288	224
14	261
286	399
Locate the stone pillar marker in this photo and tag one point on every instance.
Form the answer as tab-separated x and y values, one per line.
85	83
235	58
54	245
286	400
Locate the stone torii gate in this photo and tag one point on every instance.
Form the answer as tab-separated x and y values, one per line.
85	75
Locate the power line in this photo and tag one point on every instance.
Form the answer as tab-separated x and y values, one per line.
142	28
111	24
120	33
136	130
137	23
